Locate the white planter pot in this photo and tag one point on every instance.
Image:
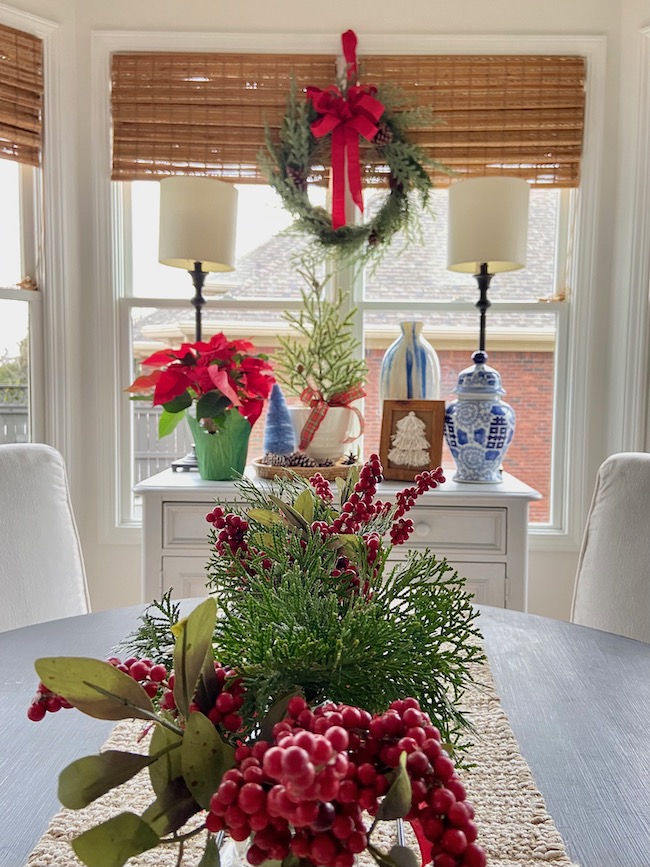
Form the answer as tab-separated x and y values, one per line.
329	440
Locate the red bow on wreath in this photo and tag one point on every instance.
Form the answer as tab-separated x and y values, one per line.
347	115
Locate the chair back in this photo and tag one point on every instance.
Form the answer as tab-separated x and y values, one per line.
42	573
612	590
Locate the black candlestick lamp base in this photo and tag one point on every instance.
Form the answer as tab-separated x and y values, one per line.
198	276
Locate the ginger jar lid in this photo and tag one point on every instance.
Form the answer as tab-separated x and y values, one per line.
480	380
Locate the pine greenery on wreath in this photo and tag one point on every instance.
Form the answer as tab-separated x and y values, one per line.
299	156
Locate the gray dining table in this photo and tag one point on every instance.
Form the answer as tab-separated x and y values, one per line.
578	701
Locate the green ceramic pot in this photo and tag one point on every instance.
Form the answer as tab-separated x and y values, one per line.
222	455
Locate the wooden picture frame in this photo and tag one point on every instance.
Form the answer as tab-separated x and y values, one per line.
426	435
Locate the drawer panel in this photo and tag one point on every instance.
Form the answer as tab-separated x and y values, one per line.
184	525
459	529
486	581
186	575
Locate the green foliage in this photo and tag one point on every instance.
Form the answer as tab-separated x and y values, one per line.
89	778
14	370
193	636
96	688
204	758
289	164
115	841
322	354
154	638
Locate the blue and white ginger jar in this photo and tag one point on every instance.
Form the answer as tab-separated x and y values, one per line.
410	369
479	426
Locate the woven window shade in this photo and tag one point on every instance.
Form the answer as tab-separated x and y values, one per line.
205	113
21	96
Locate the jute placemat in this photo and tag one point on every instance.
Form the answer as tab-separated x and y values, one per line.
514	825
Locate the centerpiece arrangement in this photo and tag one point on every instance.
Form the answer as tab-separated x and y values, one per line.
225	382
318	363
319	701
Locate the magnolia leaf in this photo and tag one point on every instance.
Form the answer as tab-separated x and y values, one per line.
92	776
113	842
351	544
168	421
208	687
275	713
96	688
397	802
402	856
265	517
193	640
210	857
166	767
205	758
171	809
304	504
293	517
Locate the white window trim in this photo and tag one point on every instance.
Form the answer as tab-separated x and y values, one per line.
573	465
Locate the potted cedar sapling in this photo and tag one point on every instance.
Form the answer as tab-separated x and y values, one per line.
318	363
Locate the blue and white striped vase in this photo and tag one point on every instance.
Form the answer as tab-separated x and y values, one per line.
479	426
410	369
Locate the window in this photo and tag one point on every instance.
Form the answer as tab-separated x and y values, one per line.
522	331
21	92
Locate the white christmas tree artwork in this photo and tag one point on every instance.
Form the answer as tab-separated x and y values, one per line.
410	445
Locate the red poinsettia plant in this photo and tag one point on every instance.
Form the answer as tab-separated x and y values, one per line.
219	376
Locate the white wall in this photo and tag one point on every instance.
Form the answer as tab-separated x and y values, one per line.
615	304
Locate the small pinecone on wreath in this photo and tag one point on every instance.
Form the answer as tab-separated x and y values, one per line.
384	135
373	239
297	176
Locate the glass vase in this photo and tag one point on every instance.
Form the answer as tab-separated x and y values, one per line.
221	456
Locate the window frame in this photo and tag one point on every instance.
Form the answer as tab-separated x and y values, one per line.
570	460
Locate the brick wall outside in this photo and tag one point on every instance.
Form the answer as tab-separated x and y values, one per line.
528	380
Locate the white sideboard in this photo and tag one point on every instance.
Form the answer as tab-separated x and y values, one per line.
482	530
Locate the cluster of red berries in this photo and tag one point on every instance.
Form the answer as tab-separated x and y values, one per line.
424	481
228	701
45	701
153	677
321	487
305	794
231	529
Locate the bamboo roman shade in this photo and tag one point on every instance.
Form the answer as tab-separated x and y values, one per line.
21	96
518	115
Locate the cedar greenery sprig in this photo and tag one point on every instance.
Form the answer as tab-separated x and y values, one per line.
153	638
311	608
322	354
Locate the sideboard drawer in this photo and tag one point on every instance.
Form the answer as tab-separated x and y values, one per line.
184	524
459	529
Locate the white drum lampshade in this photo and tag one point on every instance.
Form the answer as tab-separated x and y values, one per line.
198	223
488	224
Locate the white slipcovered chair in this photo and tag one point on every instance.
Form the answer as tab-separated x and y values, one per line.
42	573
612	590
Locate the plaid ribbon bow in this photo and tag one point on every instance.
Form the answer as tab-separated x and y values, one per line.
319	407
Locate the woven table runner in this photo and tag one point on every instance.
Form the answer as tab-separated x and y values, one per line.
514	826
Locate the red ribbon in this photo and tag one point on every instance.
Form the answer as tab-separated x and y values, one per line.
346	116
319	407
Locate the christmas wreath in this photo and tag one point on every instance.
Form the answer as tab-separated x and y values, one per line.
338	117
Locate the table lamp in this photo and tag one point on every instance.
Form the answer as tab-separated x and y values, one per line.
198	226
488	229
